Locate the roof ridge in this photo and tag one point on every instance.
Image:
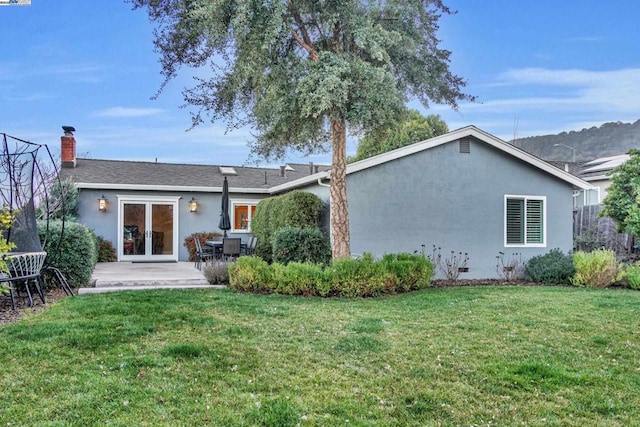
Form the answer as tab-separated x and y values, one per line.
269	168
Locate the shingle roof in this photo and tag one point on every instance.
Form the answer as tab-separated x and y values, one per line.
115	173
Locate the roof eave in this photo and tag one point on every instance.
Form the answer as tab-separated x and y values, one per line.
176	188
300	182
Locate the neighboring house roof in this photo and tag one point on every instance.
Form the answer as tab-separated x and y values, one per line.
130	175
598	169
573	168
465	132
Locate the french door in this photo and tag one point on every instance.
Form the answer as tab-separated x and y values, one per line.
148	229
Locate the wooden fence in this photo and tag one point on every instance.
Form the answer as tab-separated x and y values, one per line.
592	232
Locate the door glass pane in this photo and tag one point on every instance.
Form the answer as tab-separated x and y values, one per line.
134	229
162	229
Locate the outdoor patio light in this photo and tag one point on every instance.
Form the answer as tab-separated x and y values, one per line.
102	204
193	205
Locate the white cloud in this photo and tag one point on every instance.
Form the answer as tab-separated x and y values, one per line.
571	90
540	101
585	39
124	112
617	90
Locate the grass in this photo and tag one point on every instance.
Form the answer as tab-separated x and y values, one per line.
457	356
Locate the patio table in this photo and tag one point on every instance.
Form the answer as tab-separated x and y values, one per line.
217	247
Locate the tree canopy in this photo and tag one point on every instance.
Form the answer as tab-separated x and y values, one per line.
304	72
623	196
412	127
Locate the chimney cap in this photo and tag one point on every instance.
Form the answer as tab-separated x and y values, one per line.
68	129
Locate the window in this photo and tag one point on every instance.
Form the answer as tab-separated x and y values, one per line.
241	214
525	221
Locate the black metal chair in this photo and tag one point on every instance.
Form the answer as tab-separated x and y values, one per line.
24	269
251	246
231	248
202	255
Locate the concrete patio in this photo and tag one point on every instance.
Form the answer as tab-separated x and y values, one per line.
119	276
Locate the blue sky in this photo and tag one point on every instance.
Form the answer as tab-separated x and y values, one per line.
536	66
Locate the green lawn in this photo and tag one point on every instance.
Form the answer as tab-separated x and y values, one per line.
453	356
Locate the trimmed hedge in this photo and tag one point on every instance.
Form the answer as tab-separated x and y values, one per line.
293	244
346	277
73	252
295	209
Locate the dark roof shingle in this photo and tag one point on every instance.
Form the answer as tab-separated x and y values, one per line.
120	172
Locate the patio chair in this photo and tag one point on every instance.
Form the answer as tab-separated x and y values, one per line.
231	248
24	269
202	255
251	246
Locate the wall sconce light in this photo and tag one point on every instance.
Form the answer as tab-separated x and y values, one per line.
193	205
102	204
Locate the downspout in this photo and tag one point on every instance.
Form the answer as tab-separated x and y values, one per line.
322	184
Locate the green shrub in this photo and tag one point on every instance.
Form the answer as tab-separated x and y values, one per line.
106	251
299	279
72	251
261	227
553	267
595	269
295	209
346	277
357	277
250	274
631	275
407	272
292	244
189	241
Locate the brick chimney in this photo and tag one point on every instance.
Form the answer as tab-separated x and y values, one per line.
68	147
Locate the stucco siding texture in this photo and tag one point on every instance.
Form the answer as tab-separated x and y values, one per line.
454	201
205	219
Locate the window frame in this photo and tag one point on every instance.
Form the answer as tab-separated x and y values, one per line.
233	203
525	199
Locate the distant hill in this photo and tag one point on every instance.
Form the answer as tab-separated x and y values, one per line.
610	139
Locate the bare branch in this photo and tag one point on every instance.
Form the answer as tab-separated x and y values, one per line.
305	40
312	52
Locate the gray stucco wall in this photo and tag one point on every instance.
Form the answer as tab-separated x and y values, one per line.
452	200
105	224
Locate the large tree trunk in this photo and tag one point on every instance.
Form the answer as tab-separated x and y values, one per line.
341	245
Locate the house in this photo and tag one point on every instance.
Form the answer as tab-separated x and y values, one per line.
147	209
465	191
597	173
590	229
